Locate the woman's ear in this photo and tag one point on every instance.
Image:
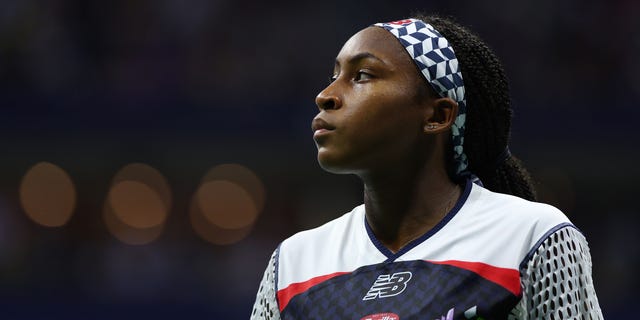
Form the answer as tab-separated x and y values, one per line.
442	115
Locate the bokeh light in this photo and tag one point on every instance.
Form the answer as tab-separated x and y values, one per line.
148	175
137	204
227	203
212	233
243	177
126	233
48	195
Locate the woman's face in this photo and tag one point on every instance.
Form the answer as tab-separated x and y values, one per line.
371	115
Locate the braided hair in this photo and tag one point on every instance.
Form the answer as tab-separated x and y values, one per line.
488	122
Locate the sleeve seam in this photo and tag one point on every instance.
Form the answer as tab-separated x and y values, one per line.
275	275
542	239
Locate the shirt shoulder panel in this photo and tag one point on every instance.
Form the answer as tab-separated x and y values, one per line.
340	245
492	228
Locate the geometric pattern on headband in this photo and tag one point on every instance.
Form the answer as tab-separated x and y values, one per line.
437	62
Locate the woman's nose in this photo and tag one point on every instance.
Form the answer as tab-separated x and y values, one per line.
327	99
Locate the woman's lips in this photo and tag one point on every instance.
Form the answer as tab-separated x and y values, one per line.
320	127
320	132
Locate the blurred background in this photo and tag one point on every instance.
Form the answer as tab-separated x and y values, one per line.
127	127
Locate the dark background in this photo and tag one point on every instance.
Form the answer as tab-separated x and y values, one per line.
183	86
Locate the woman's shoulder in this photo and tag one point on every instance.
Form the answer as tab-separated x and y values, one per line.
327	233
520	222
316	252
505	206
503	227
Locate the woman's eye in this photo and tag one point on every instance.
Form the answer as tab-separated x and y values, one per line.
361	75
333	78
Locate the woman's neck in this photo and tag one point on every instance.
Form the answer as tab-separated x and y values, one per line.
404	204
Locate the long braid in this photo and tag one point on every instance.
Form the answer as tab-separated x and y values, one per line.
488	122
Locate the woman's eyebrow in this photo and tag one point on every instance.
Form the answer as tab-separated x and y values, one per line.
361	56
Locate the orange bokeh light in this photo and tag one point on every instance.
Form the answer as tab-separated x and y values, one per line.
137	205
148	175
212	233
226	204
243	177
48	195
126	233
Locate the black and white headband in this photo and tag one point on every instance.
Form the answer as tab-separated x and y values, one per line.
437	62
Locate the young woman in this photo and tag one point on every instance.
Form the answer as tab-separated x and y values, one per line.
419	109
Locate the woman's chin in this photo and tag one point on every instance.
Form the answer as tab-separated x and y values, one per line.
334	164
331	163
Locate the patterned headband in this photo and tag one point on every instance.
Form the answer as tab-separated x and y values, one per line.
437	61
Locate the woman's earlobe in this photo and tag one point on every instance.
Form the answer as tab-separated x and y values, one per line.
435	128
442	116
430	126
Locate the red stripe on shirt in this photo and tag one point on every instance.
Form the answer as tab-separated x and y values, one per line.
506	278
285	295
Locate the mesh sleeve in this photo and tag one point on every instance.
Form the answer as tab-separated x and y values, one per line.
556	280
266	306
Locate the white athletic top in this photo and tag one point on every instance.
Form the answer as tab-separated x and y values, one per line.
493	256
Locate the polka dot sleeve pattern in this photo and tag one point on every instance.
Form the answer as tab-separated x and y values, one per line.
266	306
556	280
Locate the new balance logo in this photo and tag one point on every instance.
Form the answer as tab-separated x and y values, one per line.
388	285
